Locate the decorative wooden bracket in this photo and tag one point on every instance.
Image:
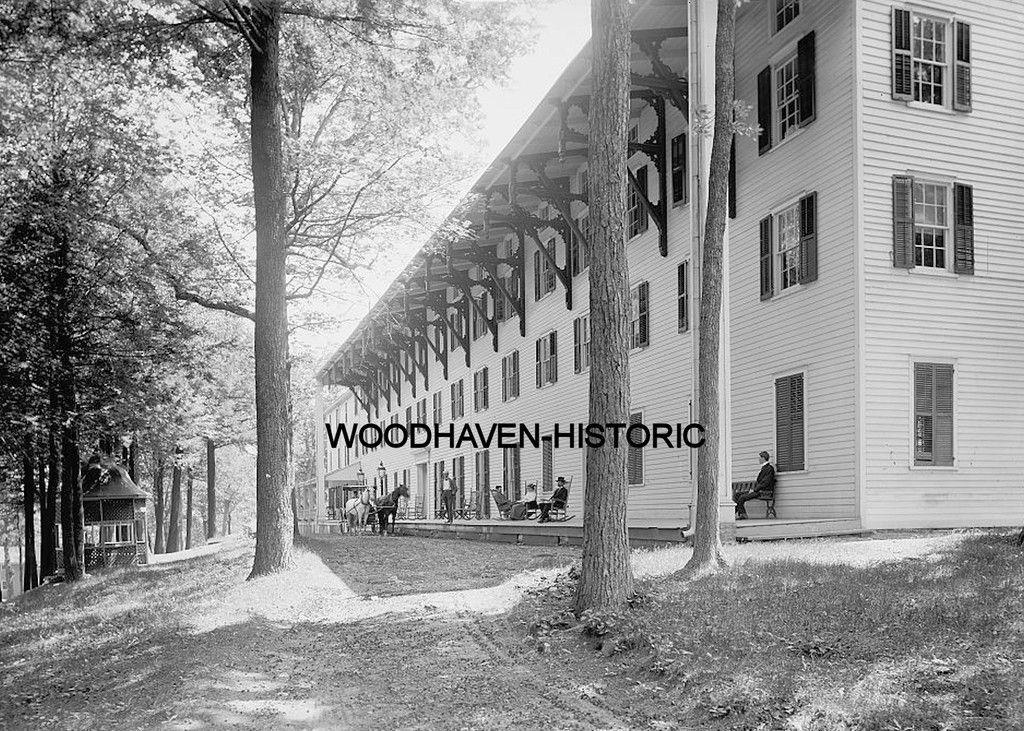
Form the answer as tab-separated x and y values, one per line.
465	284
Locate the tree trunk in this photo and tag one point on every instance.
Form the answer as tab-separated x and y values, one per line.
188	510
707	543
72	516
606	579
211	488
133	452
48	514
273	525
174	521
30	570
158	507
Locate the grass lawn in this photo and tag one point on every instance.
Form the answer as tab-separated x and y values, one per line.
775	642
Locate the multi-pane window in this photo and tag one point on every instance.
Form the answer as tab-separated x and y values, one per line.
479	320
511	472
787	251
577	247
544	270
679	168
436	404
784	12
929	50
931	224
636	210
408	417
789	423
458	325
421	411
510	376
635	456
547	359
547	464
933	414
482	461
639	316
480	398
683	295
581	343
787	97
116	533
458	403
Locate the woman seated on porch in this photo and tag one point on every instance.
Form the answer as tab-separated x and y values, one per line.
520	509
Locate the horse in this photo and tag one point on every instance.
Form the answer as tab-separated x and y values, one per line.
357	509
387	506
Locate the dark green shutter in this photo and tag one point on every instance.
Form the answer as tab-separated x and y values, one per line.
484	388
732	178
682	296
789	423
536	275
504	378
942	422
641	178
764	110
902	222
962	68
809	238
554	356
963	229
767	288
515	373
805	79
902	62
577	342
643	295
540	353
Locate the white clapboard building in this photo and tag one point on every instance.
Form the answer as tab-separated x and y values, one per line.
874	276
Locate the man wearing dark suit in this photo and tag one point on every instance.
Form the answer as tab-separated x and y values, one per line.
764	487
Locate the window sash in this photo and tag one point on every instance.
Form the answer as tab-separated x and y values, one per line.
785	12
930	58
787	96
679	181
787	252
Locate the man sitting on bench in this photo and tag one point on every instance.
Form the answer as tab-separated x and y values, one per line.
764	487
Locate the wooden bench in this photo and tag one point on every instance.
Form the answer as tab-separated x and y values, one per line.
769	500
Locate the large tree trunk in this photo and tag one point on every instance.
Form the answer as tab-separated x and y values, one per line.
72	516
174	520
31	573
158	507
188	510
273	522
211	488
707	543
48	512
606	578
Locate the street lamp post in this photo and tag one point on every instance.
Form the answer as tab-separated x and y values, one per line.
382	473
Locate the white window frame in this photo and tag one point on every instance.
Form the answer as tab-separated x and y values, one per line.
944	359
792	208
948	253
774	419
506	369
584	342
546	358
792	99
947	65
634	317
635	209
779	8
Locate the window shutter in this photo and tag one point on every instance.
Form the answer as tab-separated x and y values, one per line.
515	373
540	374
504	378
902	63
942	421
764	110
537	275
554	357
766	258
923	412
796	421
483	389
782	424
902	222
732	178
645	330
499	307
963	229
577	339
805	79
682	296
641	178
962	70
809	238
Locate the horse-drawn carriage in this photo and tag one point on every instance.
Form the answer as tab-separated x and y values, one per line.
365	510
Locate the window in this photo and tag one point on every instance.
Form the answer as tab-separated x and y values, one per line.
458	407
636	209
482	463
480	390
408	417
933	414
510	376
789	246
458	325
789	423
581	343
786	95
421	411
784	12
436	404
683	295
547	359
634	135
459	475
438	339
635	457
787	99
511	472
931	59
933	225
544	271
547	459
639	316
583	184
479	320
577	251
679	188
116	533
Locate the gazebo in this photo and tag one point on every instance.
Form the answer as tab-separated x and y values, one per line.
115	517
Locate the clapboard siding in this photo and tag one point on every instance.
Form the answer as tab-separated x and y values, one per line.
976	322
812	328
659	379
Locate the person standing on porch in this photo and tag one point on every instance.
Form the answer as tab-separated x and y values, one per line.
448	496
763	487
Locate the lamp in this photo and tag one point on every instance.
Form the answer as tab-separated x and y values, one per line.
382	472
361	476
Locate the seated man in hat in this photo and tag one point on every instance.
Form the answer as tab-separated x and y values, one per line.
763	487
558	499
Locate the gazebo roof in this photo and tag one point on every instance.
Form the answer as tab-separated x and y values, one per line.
113	483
